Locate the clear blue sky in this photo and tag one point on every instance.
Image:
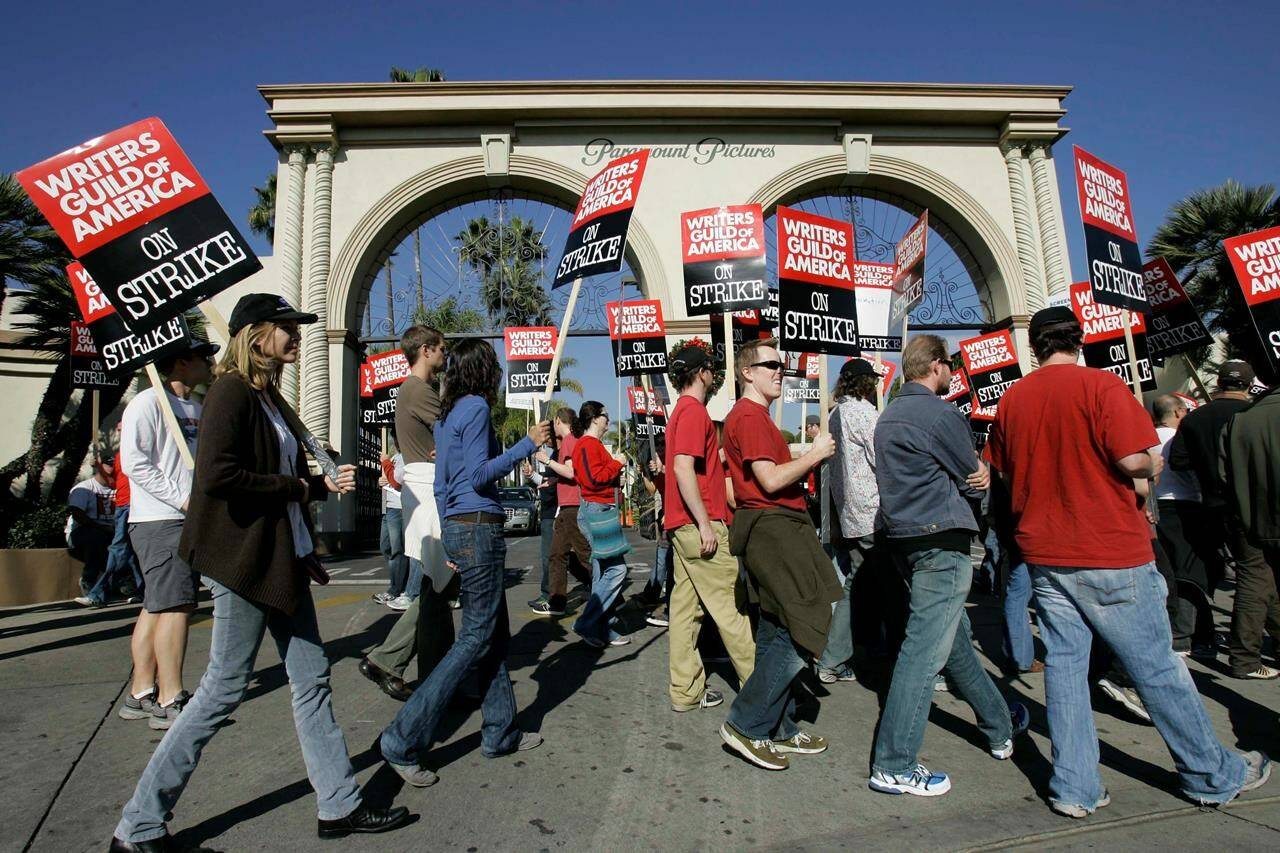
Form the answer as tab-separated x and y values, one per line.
1182	95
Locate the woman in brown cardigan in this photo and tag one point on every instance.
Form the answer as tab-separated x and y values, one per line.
247	531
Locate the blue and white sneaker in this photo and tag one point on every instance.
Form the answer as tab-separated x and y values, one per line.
920	782
1021	719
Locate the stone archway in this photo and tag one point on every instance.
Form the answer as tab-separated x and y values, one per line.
359	162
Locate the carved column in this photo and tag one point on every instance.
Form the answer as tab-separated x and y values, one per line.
1022	225
315	343
1050	243
289	238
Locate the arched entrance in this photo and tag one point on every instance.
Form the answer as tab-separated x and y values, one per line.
361	166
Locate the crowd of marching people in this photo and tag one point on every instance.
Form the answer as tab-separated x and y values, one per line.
1161	506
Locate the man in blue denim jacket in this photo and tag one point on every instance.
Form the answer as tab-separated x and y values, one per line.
926	467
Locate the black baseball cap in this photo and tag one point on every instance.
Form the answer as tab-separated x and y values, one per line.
262	307
812	420
857	367
203	348
1052	316
691	358
1235	374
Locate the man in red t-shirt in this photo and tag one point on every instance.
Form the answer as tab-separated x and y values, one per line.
569	548
778	543
1070	441
696	516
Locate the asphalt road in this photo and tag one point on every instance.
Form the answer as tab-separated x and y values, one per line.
618	771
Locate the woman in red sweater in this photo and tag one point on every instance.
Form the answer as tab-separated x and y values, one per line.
597	472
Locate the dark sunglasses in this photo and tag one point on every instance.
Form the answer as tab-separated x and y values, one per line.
769	365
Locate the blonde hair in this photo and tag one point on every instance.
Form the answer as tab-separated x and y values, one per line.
242	358
919	353
748	354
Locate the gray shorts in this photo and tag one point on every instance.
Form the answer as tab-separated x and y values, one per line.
170	583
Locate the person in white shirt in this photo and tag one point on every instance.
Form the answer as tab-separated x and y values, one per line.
391	539
160	484
1179	527
90	525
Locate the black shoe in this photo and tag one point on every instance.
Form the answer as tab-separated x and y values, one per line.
163	844
390	684
364	819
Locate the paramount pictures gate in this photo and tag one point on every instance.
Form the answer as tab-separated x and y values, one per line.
383	186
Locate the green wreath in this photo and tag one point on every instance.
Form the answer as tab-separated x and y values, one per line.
717	371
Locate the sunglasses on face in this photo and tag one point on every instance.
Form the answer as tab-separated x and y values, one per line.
769	365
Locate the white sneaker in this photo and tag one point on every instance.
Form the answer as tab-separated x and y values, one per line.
400	602
919	781
382	597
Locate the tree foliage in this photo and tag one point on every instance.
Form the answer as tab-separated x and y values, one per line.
417	75
1190	239
262	216
508	258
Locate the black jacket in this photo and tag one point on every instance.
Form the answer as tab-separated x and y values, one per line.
1196	444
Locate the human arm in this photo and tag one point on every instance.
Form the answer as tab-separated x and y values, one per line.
563	470
773	477
389	472
1140	466
1126	434
687	483
142	433
473	444
951	446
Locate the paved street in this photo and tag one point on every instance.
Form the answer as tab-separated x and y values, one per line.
618	771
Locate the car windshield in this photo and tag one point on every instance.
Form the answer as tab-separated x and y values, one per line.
514	495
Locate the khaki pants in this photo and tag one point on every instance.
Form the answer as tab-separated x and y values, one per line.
705	586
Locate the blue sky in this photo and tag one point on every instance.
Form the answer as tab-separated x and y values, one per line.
1181	95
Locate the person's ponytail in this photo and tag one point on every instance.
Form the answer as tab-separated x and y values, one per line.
589	411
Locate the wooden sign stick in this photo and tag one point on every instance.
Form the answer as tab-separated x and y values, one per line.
215	318
170	419
384	441
730	385
559	353
1195	376
97	421
1135	380
879	382
824	394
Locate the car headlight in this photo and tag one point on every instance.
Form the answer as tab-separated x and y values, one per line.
522	513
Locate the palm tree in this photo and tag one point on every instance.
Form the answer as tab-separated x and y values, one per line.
29	248
508	257
418	75
448	317
46	312
262	216
391	301
1190	239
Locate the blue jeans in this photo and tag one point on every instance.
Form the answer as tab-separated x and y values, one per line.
849	558
607	576
765	708
391	543
119	557
238	628
937	638
1126	609
413	585
660	577
1019	645
480	553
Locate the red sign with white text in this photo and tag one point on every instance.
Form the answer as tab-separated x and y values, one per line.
814	249
1256	260
612	189
106	187
1104	195
1101	322
388	369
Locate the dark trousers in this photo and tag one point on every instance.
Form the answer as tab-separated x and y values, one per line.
569	552
435	626
1257	605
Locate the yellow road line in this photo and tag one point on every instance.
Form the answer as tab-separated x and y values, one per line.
205	620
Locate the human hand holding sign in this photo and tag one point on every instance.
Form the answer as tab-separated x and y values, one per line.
540	433
980	480
824	447
346	480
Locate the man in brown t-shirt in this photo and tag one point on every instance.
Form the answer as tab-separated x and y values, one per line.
417	407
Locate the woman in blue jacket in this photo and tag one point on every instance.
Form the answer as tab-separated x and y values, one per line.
469	462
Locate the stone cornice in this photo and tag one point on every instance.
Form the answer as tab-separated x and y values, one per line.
307	111
271	92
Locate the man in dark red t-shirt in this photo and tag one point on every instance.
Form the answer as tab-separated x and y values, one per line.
778	543
696	515
1070	441
569	548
